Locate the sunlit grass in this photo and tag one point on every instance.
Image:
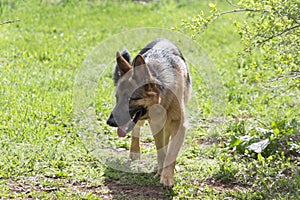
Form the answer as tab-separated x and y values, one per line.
41	148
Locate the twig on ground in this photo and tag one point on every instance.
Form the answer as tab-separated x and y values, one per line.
10	22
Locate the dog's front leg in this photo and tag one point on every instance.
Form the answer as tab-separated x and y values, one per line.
177	129
135	153
158	118
161	148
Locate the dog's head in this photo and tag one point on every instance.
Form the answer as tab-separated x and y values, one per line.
136	92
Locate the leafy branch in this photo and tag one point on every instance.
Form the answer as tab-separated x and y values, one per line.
241	10
279	34
273	26
201	22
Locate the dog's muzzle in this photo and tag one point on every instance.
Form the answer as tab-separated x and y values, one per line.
111	121
126	124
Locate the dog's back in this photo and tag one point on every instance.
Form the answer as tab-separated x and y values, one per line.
160	44
168	66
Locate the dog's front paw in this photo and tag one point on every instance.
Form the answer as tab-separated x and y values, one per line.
134	156
166	177
158	173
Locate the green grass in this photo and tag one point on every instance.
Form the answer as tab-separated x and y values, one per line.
43	156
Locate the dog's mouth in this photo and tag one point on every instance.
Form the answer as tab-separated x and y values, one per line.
135	114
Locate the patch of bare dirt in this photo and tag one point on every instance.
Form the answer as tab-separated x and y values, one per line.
110	189
132	191
222	186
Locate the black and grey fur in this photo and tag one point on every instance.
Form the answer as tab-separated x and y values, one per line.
157	49
155	86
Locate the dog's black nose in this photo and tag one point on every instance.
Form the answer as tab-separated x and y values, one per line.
111	121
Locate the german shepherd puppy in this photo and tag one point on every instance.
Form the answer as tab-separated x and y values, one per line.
155	86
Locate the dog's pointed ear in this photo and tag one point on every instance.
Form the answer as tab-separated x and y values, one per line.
123	65
141	70
143	76
125	53
139	61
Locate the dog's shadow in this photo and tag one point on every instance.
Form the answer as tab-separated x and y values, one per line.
129	185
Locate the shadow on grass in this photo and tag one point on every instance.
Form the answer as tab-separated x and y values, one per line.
128	185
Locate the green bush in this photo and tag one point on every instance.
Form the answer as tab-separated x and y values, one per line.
272	26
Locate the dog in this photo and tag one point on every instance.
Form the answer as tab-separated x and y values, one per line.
156	87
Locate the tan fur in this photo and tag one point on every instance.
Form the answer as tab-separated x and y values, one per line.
165	92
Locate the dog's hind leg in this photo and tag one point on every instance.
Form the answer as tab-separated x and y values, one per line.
135	153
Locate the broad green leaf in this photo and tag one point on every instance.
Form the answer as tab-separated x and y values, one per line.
235	142
212	5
